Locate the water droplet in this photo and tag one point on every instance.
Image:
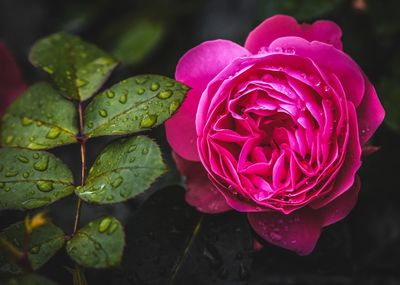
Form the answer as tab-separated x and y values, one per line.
112	228
140	91
117	182
35	203
26	174
39	123
2	184
104	224
154	86
80	82
174	106
103	113
145	150
140	80
35	250
110	198
8	189
42	164
275	236
11	173
165	94
90	108
53	133
9	139
44	186
23	159
132	148
25	121
35	155
148	121
48	69
110	94
90	125
123	98
125	192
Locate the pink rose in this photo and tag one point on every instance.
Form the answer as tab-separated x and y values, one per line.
275	129
11	84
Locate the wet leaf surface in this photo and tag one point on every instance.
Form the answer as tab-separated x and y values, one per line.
77	68
32	179
45	241
124	169
133	105
99	244
39	119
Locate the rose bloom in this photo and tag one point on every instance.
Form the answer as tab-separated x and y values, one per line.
275	129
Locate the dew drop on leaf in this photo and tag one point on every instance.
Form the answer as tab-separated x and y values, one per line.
165	94
53	133
44	186
25	121
104	224
148	121
103	113
154	86
42	164
23	159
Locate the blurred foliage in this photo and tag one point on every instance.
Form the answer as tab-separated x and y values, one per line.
151	36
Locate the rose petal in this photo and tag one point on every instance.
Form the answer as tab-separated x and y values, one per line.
201	193
11	84
330	60
339	208
282	26
298	231
195	69
370	113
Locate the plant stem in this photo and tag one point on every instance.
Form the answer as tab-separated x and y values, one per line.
82	142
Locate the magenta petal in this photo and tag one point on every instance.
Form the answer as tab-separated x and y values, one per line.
370	113
195	69
282	26
11	84
201	193
339	208
298	231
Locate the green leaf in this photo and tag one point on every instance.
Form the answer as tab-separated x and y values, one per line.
30	279
78	68
31	179
45	241
123	170
99	244
138	40
133	105
39	119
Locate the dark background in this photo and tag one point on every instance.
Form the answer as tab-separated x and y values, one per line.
362	249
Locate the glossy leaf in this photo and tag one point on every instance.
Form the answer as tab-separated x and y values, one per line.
30	279
133	105
32	179
138	40
45	241
77	68
39	119
171	243
123	170
99	244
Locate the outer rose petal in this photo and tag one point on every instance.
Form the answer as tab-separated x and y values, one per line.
298	231
339	208
201	193
330	60
11	84
370	113
282	26
195	69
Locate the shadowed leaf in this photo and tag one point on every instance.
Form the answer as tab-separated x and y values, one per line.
32	179
99	244
77	68
39	119
30	279
45	241
122	171
133	105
